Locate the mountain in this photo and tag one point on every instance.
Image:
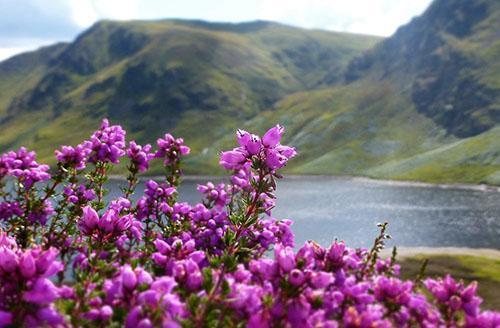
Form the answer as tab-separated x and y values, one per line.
423	104
154	76
448	62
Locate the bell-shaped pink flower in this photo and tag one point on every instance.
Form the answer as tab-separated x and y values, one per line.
89	220
27	265
233	159
8	260
285	257
273	136
43	292
129	278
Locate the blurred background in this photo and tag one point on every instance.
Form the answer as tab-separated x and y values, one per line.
393	106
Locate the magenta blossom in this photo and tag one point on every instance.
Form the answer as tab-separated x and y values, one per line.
107	144
170	149
111	224
268	149
273	136
150	260
234	159
22	165
140	155
75	157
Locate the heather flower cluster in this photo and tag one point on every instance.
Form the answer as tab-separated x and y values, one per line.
72	256
107	144
23	166
26	288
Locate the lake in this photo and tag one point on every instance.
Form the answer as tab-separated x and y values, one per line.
325	208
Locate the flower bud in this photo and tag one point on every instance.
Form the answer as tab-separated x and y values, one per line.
296	277
128	278
106	312
8	260
27	265
285	257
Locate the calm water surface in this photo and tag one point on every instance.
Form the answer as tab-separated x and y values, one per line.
325	208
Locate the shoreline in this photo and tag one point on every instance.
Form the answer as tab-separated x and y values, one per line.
405	252
384	182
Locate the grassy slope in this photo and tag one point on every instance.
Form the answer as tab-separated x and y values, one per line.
23	72
372	130
470	160
198	79
486	271
345	130
373	126
445	62
224	76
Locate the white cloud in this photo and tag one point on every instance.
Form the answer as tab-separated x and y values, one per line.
87	12
117	9
83	12
379	17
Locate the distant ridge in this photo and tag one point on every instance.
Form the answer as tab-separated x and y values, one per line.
423	104
153	75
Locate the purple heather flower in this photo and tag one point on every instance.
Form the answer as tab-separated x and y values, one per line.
274	155
140	155
336	254
128	277
250	142
145	323
22	165
234	159
107	144
50	317
92	315
43	292
9	209
41	212
75	157
27	265
321	279
487	319
298	311
8	260
274	159
296	277
106	312
110	224
392	290
171	149
89	220
285	257
273	136
313	287
215	194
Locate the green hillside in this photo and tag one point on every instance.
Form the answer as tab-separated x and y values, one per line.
150	76
423	104
447	61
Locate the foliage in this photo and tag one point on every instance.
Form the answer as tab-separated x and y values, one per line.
70	258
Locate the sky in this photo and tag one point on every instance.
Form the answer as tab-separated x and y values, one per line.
28	24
